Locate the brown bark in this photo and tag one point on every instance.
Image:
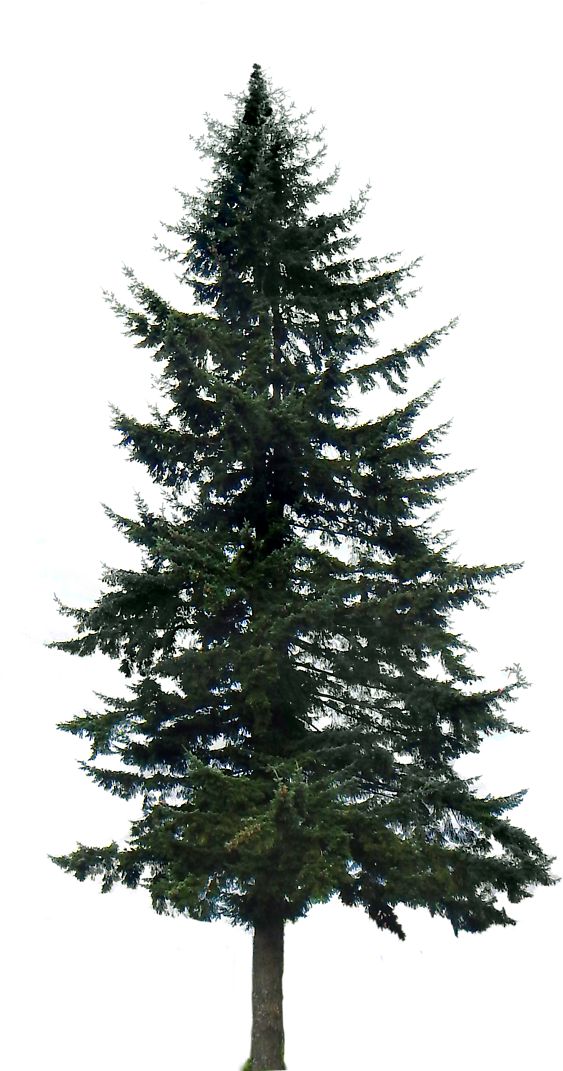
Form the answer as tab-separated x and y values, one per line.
267	1046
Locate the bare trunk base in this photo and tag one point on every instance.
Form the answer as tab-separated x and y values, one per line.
266	1053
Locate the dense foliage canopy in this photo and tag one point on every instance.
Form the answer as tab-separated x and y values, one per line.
299	695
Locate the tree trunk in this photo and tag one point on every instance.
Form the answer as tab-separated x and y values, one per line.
266	1052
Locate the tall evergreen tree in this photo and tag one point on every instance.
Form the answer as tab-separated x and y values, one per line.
298	695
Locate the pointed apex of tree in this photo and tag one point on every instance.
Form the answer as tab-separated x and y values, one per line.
257	103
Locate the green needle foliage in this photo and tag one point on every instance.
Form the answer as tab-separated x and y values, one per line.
298	695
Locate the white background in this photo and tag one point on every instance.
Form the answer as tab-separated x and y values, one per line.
452	111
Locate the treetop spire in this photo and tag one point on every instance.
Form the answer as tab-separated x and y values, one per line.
257	107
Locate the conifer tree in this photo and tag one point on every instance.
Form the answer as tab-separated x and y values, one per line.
298	695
